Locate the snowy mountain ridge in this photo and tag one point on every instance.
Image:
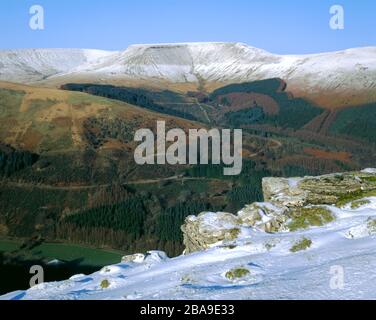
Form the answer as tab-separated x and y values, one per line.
346	72
290	247
31	65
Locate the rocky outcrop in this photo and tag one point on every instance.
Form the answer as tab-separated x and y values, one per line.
209	228
291	204
264	216
327	189
283	192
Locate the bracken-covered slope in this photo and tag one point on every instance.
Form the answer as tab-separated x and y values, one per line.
45	120
313	251
332	79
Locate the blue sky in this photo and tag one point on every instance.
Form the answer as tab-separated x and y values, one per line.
289	26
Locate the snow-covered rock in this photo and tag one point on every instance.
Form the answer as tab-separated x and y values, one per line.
283	192
209	228
136	258
265	216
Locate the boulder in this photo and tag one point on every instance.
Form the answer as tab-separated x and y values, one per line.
264	216
209	228
284	192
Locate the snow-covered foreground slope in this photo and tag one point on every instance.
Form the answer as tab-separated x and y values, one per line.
252	264
342	74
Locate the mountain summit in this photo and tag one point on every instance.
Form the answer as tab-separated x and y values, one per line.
321	77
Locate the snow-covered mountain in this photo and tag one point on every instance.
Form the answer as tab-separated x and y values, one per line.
342	74
286	248
31	65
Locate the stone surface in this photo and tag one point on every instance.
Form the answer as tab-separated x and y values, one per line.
283	192
264	216
326	189
209	228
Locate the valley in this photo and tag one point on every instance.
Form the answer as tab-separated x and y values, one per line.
94	171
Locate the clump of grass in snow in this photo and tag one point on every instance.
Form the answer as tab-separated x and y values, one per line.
301	245
353	196
304	218
359	203
234	233
237	273
105	284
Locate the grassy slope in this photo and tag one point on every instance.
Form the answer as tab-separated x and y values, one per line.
43	120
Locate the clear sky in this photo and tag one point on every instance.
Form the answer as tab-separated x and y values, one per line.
279	26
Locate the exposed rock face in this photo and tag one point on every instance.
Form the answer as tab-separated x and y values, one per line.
209	228
326	189
283	192
265	216
297	200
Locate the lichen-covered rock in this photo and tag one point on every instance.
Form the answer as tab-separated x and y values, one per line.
208	228
284	192
264	216
251	215
327	189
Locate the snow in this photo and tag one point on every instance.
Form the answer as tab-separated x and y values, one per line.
275	271
235	62
191	62
55	262
294	182
370	170
31	65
